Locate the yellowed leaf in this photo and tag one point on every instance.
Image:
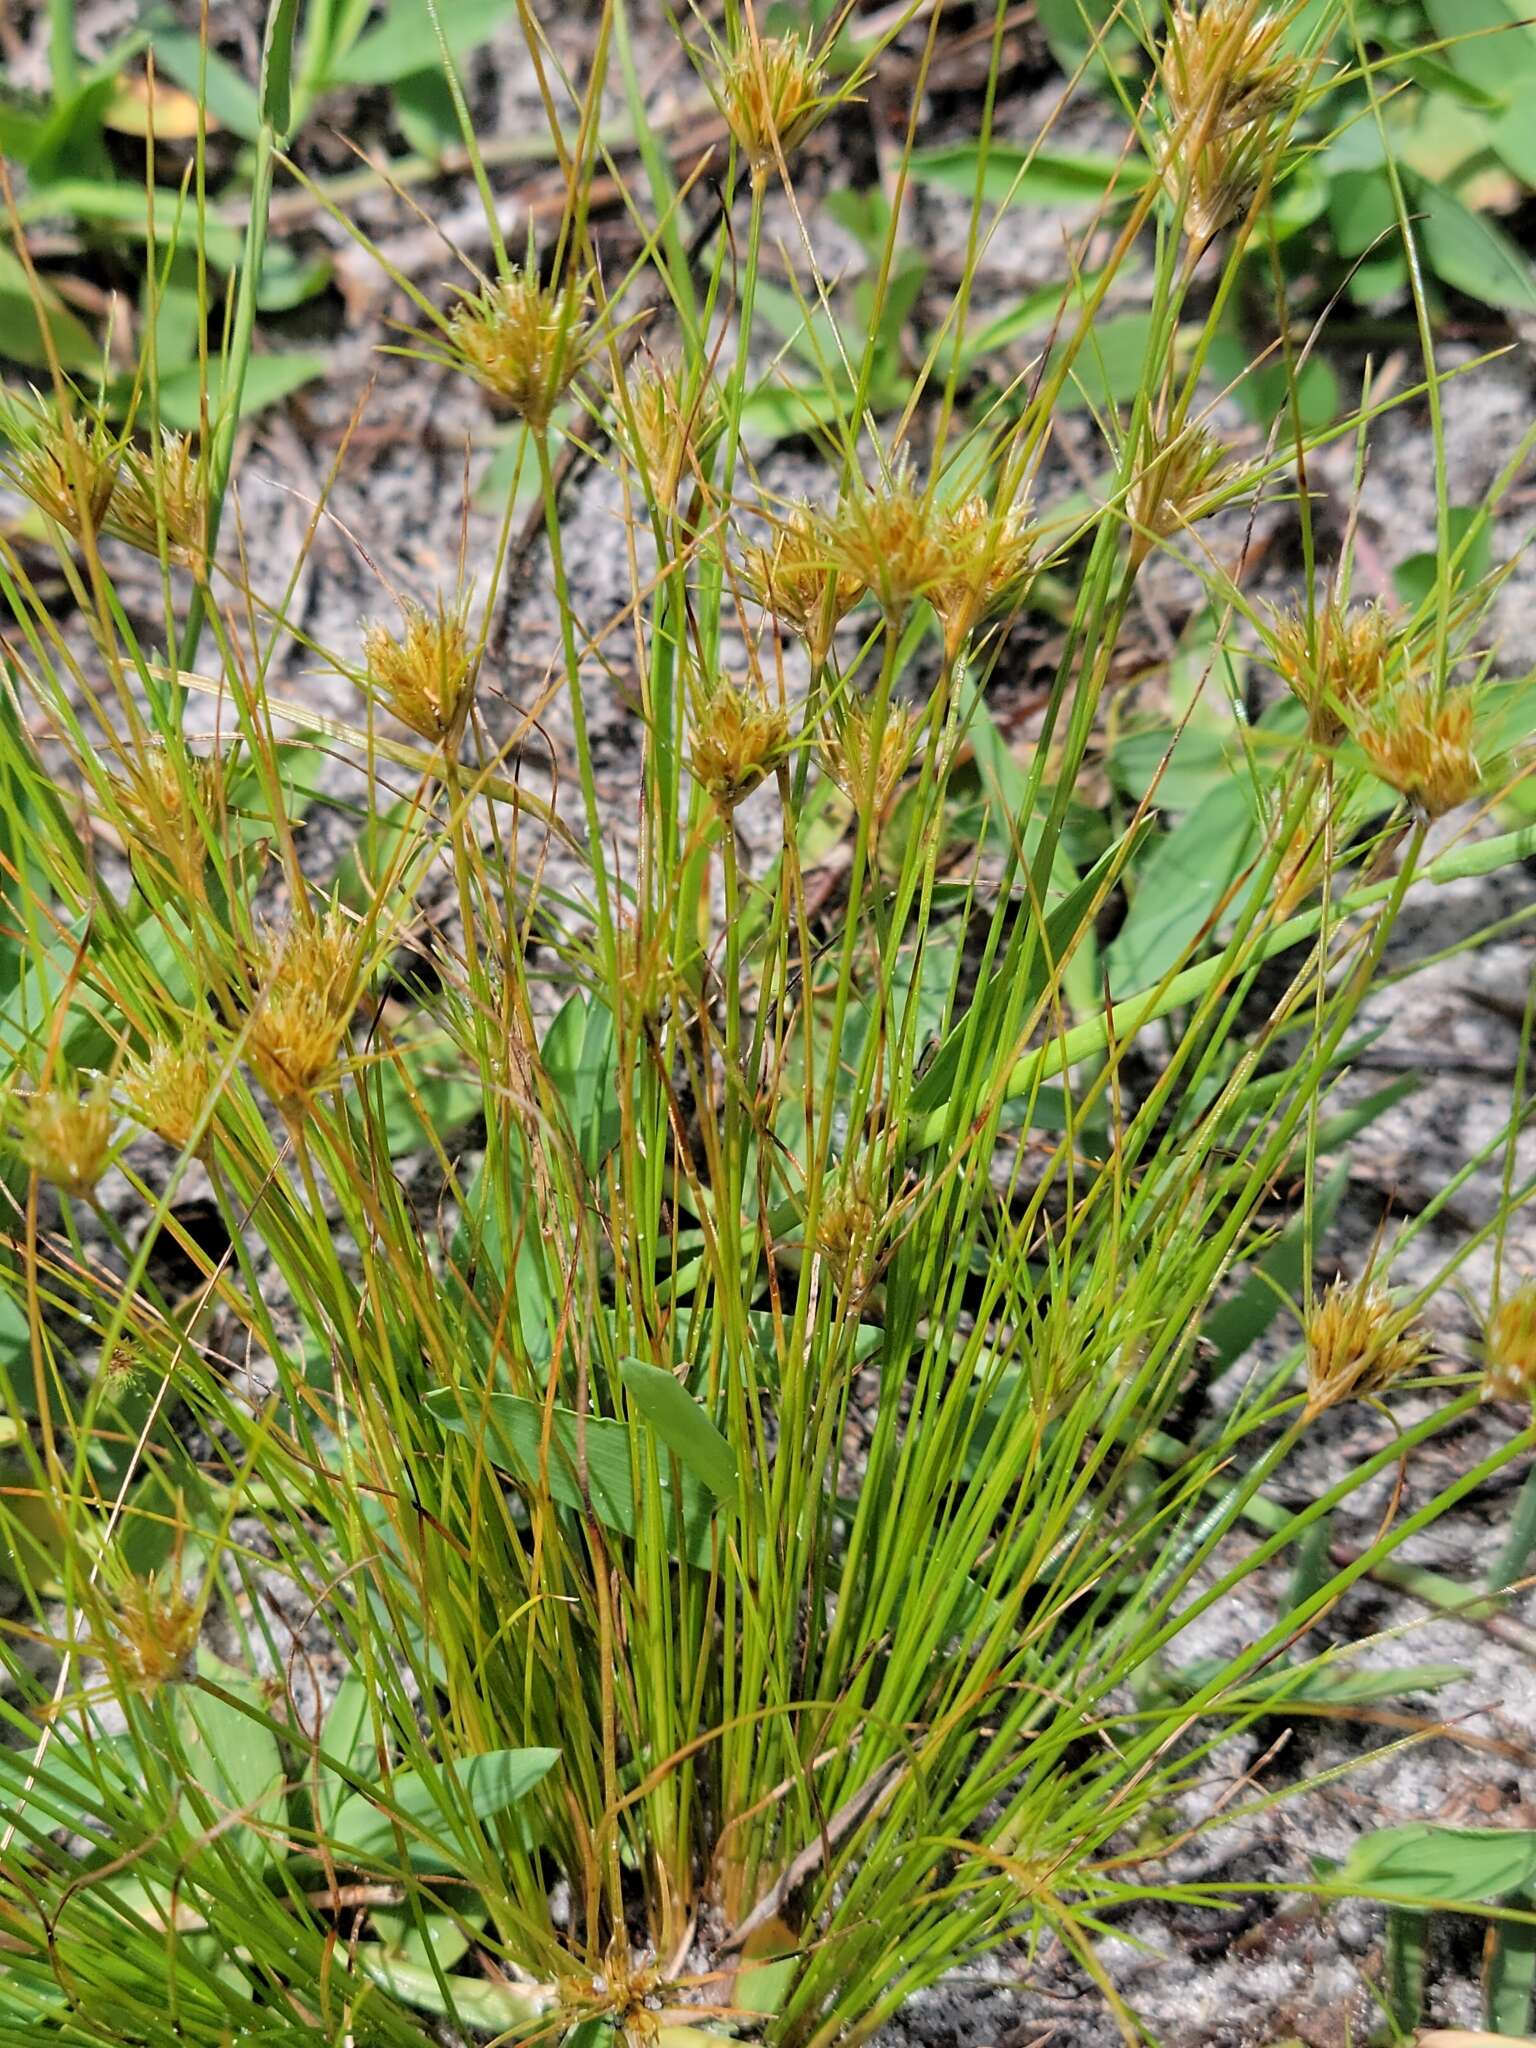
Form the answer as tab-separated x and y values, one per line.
171	114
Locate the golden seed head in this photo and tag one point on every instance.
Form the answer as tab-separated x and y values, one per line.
1358	1343
1509	1347
1228	79
770	94
68	468
1419	741
169	1089
155	1634
991	562
177	473
794	577
849	1230
523	341
164	803
65	1134
1336	667
867	769
309	975
892	542
737	740
1179	482
674	431
424	675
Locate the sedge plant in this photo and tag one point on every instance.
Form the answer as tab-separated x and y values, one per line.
718	1562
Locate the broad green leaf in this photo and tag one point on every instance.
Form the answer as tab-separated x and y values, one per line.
1441	1865
1109	366
1510	1973
439	1937
1466	251
268	379
420	1089
127	210
1201	760
230	99
1407	1939
580	1055
1040	177
277	68
405	41
27	313
1181	884
347	1739
235	1761
1331	1683
514	1431
682	1426
1486	46
430	1808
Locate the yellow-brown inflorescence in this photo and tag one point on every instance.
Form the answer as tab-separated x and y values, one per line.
1358	1343
1181	480
308	990
169	483
65	1134
522	341
1420	742
155	1634
169	1089
991	562
67	466
868	767
1229	83
737	739
892	542
1509	1347
674	431
849	1233
166	805
795	578
1337	667
770	94
425	673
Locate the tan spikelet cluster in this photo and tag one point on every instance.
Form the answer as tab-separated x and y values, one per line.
892	543
424	674
64	1133
169	1089
867	767
795	578
1182	477
990	564
1358	1343
166	803
155	1634
522	341
1337	669
769	91
1229	82
1509	1347
1420	742
849	1233
91	478
170	484
307	992
674	432
737	739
